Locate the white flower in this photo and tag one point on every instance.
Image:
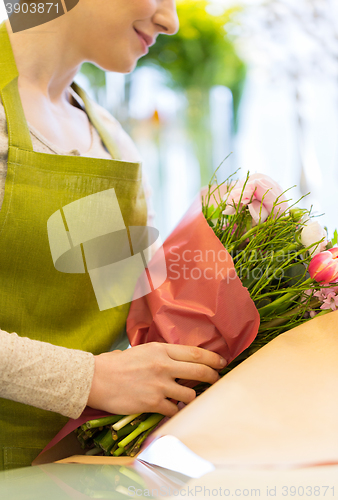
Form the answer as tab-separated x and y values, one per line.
312	233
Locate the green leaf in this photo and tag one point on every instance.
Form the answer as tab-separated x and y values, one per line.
250	279
335	238
213	212
295	274
210	210
262	303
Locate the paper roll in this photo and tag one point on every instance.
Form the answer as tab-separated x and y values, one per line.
279	407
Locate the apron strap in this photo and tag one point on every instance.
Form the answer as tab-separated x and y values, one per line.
94	118
18	132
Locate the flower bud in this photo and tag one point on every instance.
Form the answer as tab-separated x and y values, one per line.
324	266
298	214
312	233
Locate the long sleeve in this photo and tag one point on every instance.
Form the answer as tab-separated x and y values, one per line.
43	375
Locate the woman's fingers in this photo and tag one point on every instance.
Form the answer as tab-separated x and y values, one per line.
142	378
167	408
194	371
195	355
180	393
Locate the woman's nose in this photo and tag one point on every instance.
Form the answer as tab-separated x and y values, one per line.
166	17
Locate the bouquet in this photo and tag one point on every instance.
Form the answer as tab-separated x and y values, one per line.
280	253
278	270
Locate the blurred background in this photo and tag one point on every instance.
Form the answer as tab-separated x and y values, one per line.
254	78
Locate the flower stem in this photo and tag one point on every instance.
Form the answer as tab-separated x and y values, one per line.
136	447
126	429
100	422
323	312
118	451
251	231
283	319
153	420
263	311
104	440
124	421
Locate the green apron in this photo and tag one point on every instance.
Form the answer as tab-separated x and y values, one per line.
37	300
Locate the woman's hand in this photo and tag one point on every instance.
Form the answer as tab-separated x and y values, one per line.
140	379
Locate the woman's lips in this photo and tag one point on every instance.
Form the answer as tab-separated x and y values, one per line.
143	42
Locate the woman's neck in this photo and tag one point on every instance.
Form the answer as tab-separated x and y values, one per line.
46	67
44	61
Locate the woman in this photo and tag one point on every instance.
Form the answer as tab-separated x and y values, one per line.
57	360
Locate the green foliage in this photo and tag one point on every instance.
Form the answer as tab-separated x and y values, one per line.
269	259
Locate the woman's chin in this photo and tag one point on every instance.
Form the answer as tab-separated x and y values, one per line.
122	66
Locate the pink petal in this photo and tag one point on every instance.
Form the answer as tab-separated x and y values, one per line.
229	210
326	275
268	190
319	262
258	211
239	195
334	252
325	306
320	295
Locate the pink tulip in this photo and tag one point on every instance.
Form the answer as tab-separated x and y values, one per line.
324	266
260	194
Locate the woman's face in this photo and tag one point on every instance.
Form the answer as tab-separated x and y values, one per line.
108	34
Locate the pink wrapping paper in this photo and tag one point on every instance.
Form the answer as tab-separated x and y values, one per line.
202	302
213	311
71	425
